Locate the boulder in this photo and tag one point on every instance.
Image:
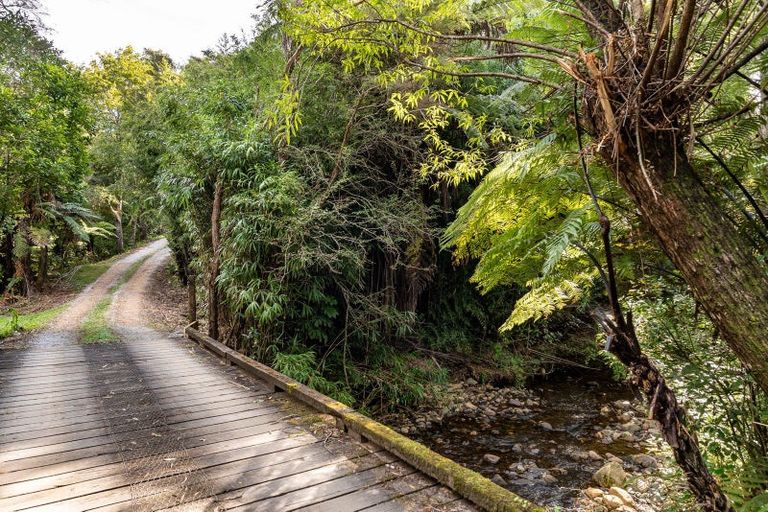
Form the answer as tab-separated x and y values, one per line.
592	454
491	458
610	475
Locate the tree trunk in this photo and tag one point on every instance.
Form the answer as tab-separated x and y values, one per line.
213	292
192	299
8	267
23	263
718	263
118	213
134	230
42	268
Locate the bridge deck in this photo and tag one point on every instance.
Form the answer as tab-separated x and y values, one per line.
156	423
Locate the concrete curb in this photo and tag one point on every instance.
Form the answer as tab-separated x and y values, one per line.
465	482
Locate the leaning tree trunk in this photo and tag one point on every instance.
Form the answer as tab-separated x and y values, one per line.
719	264
213	292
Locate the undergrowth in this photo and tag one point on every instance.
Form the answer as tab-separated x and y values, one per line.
15	322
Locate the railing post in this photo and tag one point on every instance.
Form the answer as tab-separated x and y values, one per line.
192	299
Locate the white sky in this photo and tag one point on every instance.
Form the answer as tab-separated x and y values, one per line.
181	28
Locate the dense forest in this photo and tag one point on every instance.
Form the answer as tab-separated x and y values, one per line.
381	198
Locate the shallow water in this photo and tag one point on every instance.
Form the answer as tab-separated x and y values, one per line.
571	407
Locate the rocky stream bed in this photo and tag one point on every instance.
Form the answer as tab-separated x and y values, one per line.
581	445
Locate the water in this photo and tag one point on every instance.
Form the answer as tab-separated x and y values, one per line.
572	408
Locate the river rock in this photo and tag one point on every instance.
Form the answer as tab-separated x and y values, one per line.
518	468
469	406
624	496
611	474
630	426
491	458
471	382
514	402
498	480
592	454
612	502
593	492
545	425
645	460
549	478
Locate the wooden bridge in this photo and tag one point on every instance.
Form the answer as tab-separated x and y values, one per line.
154	422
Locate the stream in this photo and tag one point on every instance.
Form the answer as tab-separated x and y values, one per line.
544	443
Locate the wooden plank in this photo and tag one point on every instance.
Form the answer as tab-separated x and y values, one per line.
93	392
57	385
191	438
365	497
266	452
81	432
268	484
313	487
165	392
98	446
429	498
250	438
85	422
11	454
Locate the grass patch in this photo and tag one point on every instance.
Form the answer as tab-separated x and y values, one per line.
28	322
95	329
88	273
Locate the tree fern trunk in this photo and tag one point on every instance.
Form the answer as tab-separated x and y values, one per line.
719	264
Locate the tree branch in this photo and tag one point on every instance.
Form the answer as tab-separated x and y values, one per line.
681	43
509	76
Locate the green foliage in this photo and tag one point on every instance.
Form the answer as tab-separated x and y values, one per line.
723	401
303	368
14	322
